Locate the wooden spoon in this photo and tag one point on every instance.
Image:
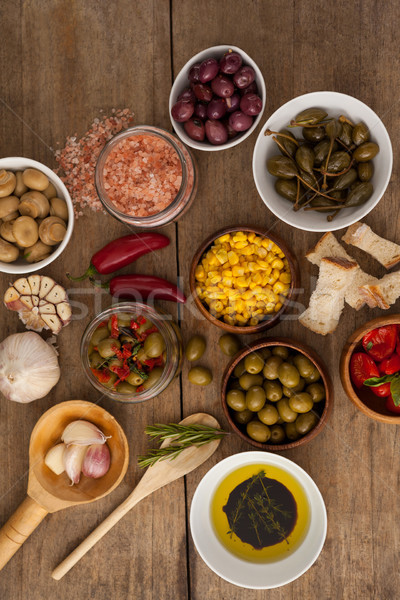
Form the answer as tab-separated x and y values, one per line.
48	492
156	476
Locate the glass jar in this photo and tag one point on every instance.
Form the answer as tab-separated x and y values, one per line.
173	349
186	192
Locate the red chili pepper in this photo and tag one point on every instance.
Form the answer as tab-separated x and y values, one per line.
114	327
102	376
123	251
362	367
390	365
141	287
380	343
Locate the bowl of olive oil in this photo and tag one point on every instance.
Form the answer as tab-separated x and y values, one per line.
258	520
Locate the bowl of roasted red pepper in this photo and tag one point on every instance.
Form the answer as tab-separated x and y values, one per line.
131	352
370	368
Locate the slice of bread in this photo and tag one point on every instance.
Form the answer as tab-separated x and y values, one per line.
384	251
384	293
327	301
328	246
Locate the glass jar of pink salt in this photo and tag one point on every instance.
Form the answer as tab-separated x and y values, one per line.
146	177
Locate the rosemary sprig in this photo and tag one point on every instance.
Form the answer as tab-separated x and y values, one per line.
181	436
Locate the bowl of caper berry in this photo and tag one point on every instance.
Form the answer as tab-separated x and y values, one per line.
277	394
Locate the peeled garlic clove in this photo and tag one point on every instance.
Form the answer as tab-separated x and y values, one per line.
55	459
82	433
97	461
73	460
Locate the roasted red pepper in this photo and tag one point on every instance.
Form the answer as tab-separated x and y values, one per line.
122	252
390	365
382	391
362	367
102	376
141	287
380	343
114	327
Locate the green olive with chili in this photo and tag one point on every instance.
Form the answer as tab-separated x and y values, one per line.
153	377
154	345
107	347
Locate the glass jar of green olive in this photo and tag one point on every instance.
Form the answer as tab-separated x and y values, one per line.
161	346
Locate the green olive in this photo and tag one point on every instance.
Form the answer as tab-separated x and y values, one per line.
144	326
253	363
273	390
255	398
315	376
134	379
288	375
234	384
101	333
291	432
95	360
289	392
154	345
247	380
301	403
268	415
127	339
229	344
195	348
264	353
243	417
236	400
126	388
304	365
277	435
306	422
258	431
153	377
239	369
107	347
110	383
271	367
114	362
285	412
282	351
316	391
200	376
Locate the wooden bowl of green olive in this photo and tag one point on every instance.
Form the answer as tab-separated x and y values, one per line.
277	394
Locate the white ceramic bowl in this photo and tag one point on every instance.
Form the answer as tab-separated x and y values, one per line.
18	163
243	573
181	82
335	104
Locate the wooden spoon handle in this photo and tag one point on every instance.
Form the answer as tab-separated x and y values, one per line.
19	527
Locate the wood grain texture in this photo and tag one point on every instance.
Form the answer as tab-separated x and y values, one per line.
64	61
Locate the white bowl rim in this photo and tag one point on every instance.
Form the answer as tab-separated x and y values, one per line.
8	162
205	146
315	96
232	568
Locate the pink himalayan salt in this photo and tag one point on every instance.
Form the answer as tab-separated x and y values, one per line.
142	175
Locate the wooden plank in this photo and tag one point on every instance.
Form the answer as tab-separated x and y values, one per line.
65	62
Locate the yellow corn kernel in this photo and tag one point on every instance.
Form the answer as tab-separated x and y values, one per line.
226	273
224	238
205	264
200	273
257	241
256	277
251	302
217	306
270	307
286	263
229	320
271	279
216	279
267	244
243	281
233	258
276	273
278	287
278	306
239	236
239	305
277	264
261	252
248	250
281	255
252	266
251	236
260	305
263	264
228	310
247	295
241	319
237	271
270	257
240	245
222	256
285	277
228	281
253	321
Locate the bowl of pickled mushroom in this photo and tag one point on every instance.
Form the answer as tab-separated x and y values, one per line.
244	279
322	161
131	352
36	215
277	394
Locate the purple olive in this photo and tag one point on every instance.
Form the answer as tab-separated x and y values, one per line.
239	121
187	94
251	104
250	89
195	129
216	132
230	63
216	108
222	86
202	92
231	132
232	103
200	110
244	77
208	70
193	74
182	110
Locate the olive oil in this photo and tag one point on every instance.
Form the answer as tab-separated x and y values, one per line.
260	513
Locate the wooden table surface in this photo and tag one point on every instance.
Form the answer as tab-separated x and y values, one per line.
61	62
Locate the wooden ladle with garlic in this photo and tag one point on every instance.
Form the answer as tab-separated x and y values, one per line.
49	492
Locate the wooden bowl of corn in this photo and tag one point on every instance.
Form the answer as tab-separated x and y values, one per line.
243	279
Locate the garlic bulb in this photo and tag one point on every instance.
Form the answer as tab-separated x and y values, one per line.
28	367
